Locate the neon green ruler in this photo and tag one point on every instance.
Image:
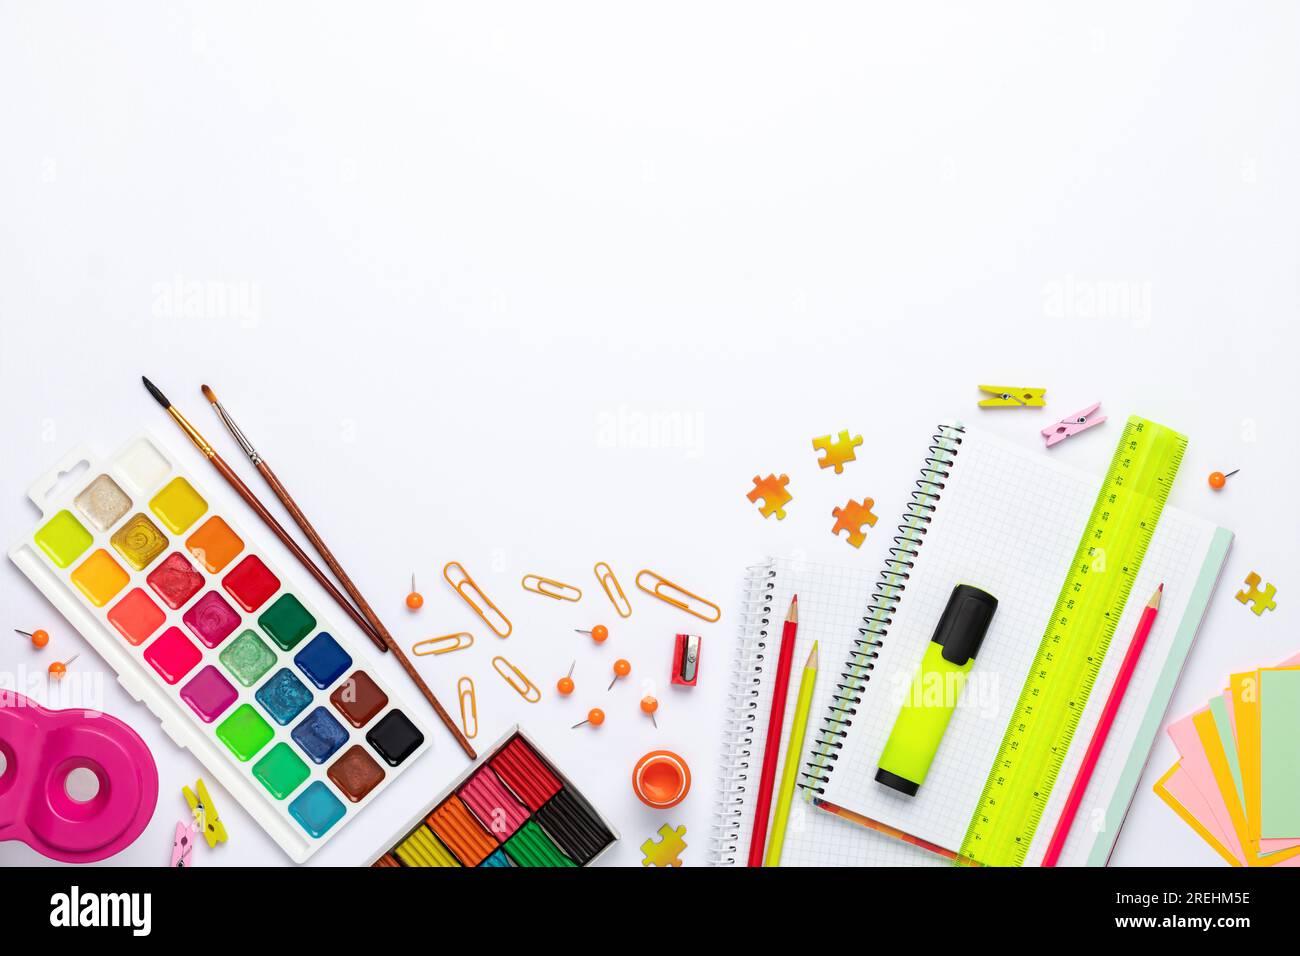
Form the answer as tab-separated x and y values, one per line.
1074	645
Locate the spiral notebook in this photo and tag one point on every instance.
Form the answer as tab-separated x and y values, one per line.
983	511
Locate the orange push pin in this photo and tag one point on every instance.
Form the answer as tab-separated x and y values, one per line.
414	600
38	637
595	717
59	669
1218	479
621	669
565	684
648	706
597	633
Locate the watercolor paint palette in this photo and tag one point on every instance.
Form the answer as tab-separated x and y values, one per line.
217	642
511	808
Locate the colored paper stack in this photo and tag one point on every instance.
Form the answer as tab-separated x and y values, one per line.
1237	780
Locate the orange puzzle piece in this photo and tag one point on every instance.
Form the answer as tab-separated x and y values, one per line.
852	517
772	490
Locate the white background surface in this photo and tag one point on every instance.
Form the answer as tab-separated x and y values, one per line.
480	247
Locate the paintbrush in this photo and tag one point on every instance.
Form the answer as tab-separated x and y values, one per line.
268	519
318	543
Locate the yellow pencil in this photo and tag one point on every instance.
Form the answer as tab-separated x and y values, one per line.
793	754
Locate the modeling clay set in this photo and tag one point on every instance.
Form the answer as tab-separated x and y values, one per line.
513	807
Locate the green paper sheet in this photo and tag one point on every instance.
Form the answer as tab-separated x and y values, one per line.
1279	733
1223	725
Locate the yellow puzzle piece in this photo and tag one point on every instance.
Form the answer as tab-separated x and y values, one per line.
1259	601
667	850
838	452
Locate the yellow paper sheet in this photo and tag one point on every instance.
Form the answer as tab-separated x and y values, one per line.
1245	708
1162	789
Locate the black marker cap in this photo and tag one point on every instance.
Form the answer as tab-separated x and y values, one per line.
901	784
964	623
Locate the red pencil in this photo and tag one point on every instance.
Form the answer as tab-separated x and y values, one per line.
1098	741
772	746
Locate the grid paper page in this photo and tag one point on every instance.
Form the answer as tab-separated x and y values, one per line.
1009	521
832	601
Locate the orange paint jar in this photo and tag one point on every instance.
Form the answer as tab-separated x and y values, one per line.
661	779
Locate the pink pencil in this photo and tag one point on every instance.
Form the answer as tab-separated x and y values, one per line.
1126	668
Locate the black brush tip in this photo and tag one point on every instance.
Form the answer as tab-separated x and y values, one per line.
158	396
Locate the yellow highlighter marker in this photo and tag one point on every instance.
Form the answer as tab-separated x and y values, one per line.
793	751
932	698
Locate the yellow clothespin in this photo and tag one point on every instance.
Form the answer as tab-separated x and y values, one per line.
205	813
1013	397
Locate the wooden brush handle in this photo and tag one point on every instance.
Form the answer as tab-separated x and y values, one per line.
269	520
281	492
300	518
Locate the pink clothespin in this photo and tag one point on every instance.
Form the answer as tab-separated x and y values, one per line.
1081	420
183	844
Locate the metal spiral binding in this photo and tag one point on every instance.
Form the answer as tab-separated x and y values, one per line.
884	601
738	721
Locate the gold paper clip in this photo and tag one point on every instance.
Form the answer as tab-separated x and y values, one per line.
661	588
443	645
464	582
1013	397
465	690
551	589
527	690
613	590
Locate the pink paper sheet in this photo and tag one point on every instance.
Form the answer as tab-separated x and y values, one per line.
1180	786
1200	776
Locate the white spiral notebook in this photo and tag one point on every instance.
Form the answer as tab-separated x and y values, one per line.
983	511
